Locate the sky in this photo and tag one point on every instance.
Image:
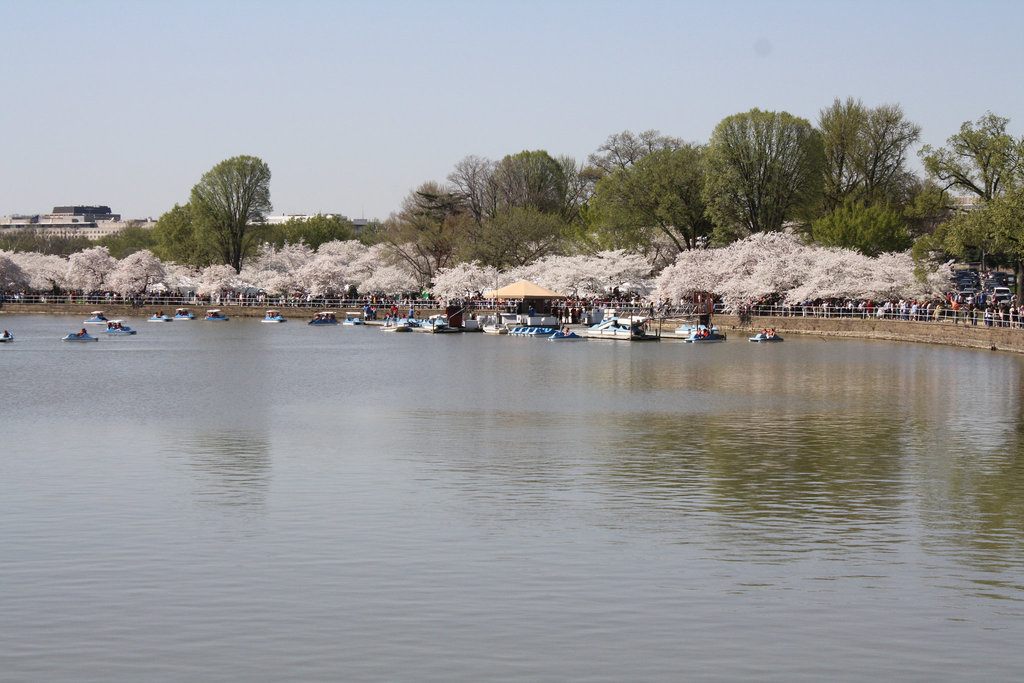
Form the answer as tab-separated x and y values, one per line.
355	104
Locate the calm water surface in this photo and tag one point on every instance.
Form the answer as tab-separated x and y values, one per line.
239	501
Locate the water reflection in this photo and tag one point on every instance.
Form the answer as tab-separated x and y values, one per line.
231	468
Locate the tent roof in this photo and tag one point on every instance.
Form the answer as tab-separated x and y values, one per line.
523	289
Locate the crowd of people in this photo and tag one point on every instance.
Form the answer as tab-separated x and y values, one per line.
980	309
975	309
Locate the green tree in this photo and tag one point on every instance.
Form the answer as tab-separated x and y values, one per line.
661	192
313	231
42	241
764	169
131	239
179	239
982	159
994	231
866	153
530	180
516	237
427	232
883	155
622	150
870	229
229	206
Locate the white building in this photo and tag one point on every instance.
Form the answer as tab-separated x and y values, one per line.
91	222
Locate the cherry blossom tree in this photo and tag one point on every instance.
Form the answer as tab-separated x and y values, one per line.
379	270
45	272
333	268
464	279
276	269
180	277
89	269
11	274
778	266
135	273
587	275
390	279
215	279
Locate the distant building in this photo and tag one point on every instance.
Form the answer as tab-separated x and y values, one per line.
90	222
966	203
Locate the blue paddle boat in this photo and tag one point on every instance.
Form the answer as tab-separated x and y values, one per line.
6	337
159	317
184	314
525	331
82	336
215	314
97	318
566	335
701	334
118	328
353	318
766	336
274	316
324	318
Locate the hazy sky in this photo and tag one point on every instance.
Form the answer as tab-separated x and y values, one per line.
354	104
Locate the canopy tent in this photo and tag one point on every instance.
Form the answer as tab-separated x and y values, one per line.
524	289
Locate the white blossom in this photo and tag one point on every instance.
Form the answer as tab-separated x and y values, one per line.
215	279
463	280
89	269
135	273
12	276
45	272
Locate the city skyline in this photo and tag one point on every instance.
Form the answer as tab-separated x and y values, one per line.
354	105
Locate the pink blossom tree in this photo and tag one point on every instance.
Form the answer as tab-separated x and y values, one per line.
11	274
216	279
88	270
45	272
463	280
135	273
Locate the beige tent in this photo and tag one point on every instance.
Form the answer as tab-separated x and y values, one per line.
523	290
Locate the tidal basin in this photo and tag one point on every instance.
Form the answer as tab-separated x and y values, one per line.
238	501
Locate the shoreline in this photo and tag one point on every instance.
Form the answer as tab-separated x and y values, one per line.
944	333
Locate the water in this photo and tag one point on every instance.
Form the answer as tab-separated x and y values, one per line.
264	502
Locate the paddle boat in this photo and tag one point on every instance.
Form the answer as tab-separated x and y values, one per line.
184	314
526	331
498	324
353	318
438	324
215	314
6	337
766	336
701	334
686	330
399	325
632	328
324	318
97	318
117	327
82	336
566	335
274	316
159	317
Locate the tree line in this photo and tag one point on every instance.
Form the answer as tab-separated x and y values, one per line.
841	182
844	182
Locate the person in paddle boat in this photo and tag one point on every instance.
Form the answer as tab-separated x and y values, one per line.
83	333
771	333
